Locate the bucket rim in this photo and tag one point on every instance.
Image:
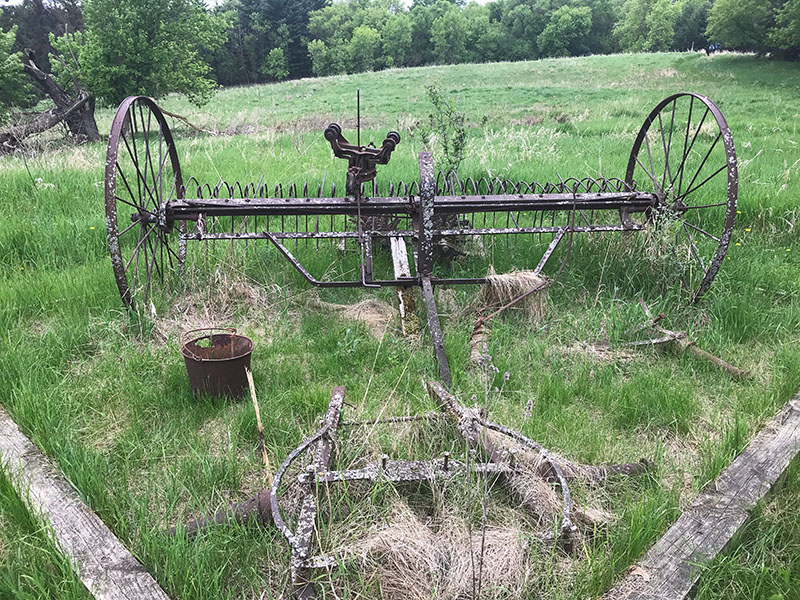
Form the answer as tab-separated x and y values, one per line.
209	334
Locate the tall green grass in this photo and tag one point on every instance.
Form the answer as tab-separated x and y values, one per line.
105	394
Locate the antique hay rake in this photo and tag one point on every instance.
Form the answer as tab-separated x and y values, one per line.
681	176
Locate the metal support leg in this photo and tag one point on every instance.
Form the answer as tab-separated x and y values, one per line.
437	337
424	226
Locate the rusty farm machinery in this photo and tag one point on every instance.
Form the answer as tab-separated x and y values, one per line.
681	176
681	169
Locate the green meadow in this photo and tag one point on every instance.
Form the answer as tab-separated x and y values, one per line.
104	392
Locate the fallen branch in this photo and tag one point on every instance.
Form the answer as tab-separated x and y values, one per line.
80	121
507	446
682	344
188	122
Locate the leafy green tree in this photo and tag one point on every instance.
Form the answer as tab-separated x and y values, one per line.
397	39
260	22
740	24
523	25
567	33
422	17
276	65
490	43
631	30
660	23
786	34
647	25
36	19
449	37
690	26
14	88
364	48
604	16
66	58
325	60
159	55
231	62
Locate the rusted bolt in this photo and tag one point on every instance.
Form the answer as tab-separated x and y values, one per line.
384	460
446	460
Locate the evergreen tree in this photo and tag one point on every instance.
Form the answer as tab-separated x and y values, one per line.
690	26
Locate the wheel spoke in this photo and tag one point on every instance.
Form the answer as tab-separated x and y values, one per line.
160	171
141	180
160	167
149	272
136	262
138	208
703	164
685	142
667	146
128	187
685	208
689	151
171	252
135	252
652	177
148	158
694	248
128	228
703	231
664	147
152	248
132	129
652	168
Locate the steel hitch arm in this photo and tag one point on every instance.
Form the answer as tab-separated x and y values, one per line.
361	159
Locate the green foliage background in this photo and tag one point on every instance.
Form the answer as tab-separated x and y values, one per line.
115	48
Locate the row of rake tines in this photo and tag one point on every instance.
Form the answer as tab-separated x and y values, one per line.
447	184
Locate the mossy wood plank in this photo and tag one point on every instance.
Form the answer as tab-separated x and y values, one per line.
103	564
670	569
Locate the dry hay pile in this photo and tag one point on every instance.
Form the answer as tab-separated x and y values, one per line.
501	289
496	293
415	560
375	314
224	301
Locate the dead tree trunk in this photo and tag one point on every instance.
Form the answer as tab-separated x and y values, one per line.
12	138
80	122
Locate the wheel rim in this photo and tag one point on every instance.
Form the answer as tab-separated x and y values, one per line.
685	154
142	174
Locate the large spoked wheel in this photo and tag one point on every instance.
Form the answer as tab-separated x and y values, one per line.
142	176
684	154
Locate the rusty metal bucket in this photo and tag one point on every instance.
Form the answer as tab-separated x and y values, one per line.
216	362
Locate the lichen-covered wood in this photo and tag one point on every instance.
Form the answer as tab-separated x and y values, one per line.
103	564
670	569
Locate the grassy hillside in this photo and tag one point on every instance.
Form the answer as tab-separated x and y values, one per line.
105	394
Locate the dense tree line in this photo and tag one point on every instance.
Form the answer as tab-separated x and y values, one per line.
112	48
350	36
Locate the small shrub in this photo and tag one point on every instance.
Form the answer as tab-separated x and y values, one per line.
446	128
